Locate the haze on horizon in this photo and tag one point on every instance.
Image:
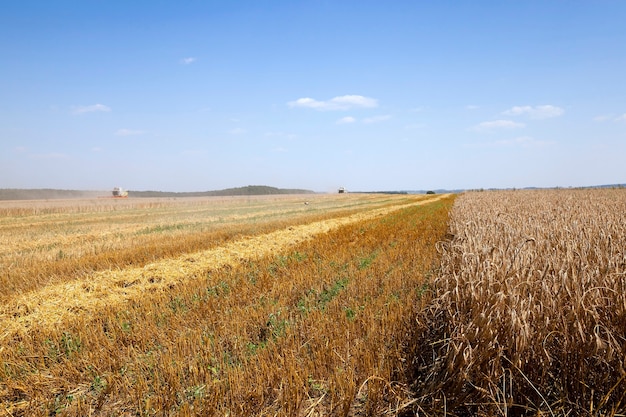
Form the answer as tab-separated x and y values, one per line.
314	95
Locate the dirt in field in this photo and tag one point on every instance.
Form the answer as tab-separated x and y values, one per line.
55	304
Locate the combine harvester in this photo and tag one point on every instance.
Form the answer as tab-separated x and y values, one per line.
119	192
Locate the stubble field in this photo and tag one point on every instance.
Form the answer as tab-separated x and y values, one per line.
245	306
487	303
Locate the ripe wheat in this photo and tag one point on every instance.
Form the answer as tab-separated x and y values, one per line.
530	312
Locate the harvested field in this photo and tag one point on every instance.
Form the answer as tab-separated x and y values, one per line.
276	309
44	242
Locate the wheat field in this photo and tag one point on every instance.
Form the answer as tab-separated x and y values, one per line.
498	303
529	317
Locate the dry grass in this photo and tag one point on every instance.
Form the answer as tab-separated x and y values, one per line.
305	327
530	312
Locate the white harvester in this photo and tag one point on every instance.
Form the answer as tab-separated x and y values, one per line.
119	192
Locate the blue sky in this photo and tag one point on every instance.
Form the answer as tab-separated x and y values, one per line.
368	95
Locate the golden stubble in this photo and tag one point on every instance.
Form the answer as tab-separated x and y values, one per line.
53	304
47	242
315	319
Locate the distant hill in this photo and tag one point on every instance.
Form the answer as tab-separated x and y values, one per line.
50	194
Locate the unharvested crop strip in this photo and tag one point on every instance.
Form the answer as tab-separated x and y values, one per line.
529	316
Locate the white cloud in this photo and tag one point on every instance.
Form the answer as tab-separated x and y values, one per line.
497	124
189	60
237	131
337	103
416	109
279	149
355	101
537	112
621	118
377	119
345	120
129	132
472	107
90	109
96	149
367	120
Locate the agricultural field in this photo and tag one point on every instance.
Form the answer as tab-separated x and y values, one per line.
485	303
529	316
291	305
